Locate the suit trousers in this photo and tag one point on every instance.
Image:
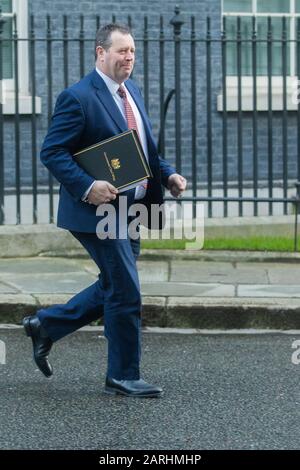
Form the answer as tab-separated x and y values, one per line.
115	296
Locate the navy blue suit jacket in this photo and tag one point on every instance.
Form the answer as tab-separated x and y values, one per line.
84	114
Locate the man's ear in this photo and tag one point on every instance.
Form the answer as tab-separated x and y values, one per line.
99	52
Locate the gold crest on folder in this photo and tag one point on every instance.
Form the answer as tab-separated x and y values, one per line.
115	163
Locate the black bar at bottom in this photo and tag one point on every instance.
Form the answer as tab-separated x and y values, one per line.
132	459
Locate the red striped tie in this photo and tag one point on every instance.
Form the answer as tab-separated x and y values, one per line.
130	117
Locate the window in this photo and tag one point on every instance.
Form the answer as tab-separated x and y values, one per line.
7	33
20	9
261	10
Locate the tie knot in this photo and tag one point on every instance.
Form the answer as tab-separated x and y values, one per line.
122	92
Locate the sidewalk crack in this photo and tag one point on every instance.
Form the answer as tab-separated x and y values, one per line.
35	297
169	270
12	285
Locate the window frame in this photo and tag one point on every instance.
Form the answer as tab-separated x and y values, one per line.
20	9
262	80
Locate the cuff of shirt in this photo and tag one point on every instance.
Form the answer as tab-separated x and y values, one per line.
84	198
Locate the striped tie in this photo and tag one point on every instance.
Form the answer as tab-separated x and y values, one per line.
130	118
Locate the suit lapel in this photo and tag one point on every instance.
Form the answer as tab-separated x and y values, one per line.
108	102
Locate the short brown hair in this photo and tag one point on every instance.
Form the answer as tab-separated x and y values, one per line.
103	35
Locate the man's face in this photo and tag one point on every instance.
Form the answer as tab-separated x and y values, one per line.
117	62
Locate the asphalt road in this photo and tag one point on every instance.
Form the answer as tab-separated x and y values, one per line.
220	392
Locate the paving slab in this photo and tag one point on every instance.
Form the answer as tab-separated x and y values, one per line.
273	291
41	265
222	272
286	274
192	271
153	271
187	289
51	282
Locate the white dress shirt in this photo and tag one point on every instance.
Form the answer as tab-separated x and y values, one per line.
113	87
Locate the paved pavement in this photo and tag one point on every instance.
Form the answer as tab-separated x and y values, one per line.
231	391
215	291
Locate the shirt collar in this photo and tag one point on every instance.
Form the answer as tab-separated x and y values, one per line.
110	83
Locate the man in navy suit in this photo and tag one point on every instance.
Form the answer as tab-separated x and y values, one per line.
104	103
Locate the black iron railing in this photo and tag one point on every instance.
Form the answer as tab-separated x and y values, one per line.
209	143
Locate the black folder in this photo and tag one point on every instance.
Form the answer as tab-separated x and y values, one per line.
120	160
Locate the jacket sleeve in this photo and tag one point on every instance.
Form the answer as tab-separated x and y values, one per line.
166	170
63	140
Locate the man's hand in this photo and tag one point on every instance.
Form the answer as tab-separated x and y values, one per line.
102	192
176	184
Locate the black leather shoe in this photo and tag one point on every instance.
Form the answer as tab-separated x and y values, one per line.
41	344
131	388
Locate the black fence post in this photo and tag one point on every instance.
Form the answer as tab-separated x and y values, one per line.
194	115
49	81
81	46
284	113
161	141
17	123
65	49
224	118
254	117
146	63
177	22
239	43
270	111
2	21
32	43
208	115
296	204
